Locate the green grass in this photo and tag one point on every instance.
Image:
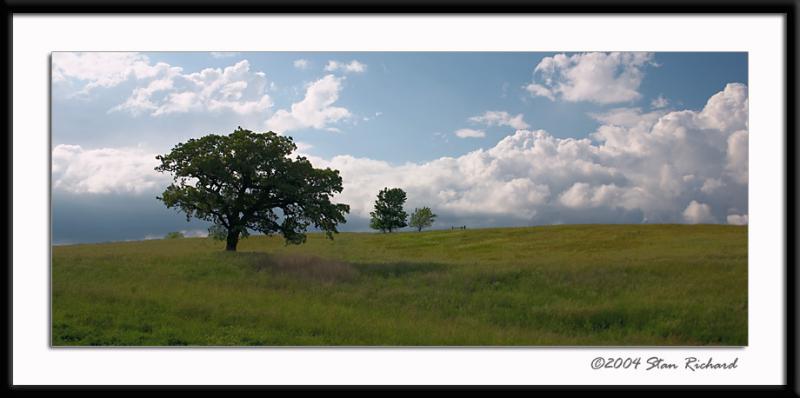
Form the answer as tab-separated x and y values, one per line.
554	285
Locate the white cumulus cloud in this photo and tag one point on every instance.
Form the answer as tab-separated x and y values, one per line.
301	63
351	67
737	219
659	167
105	170
316	110
500	118
685	166
162	89
602	78
698	213
470	133
659	102
235	88
105	69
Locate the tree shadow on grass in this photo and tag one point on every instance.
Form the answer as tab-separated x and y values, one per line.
302	266
398	269
311	267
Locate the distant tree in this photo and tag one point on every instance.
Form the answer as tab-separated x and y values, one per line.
248	180
174	235
389	214
422	218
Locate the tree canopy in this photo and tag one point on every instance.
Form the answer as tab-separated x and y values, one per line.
247	180
389	214
422	218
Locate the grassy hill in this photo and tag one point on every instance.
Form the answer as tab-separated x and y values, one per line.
553	285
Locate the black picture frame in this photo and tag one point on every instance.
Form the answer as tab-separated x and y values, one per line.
547	7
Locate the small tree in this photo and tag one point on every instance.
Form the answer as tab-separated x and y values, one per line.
422	218
174	235
389	213
248	180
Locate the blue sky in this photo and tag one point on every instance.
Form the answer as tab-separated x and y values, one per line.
530	138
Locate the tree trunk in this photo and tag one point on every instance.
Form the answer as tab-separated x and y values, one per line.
232	241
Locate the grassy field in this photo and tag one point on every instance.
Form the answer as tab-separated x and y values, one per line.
553	285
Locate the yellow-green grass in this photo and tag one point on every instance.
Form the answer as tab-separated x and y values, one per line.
553	285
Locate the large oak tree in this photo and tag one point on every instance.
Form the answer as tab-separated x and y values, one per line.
248	180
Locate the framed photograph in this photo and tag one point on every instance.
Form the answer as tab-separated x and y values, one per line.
498	195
